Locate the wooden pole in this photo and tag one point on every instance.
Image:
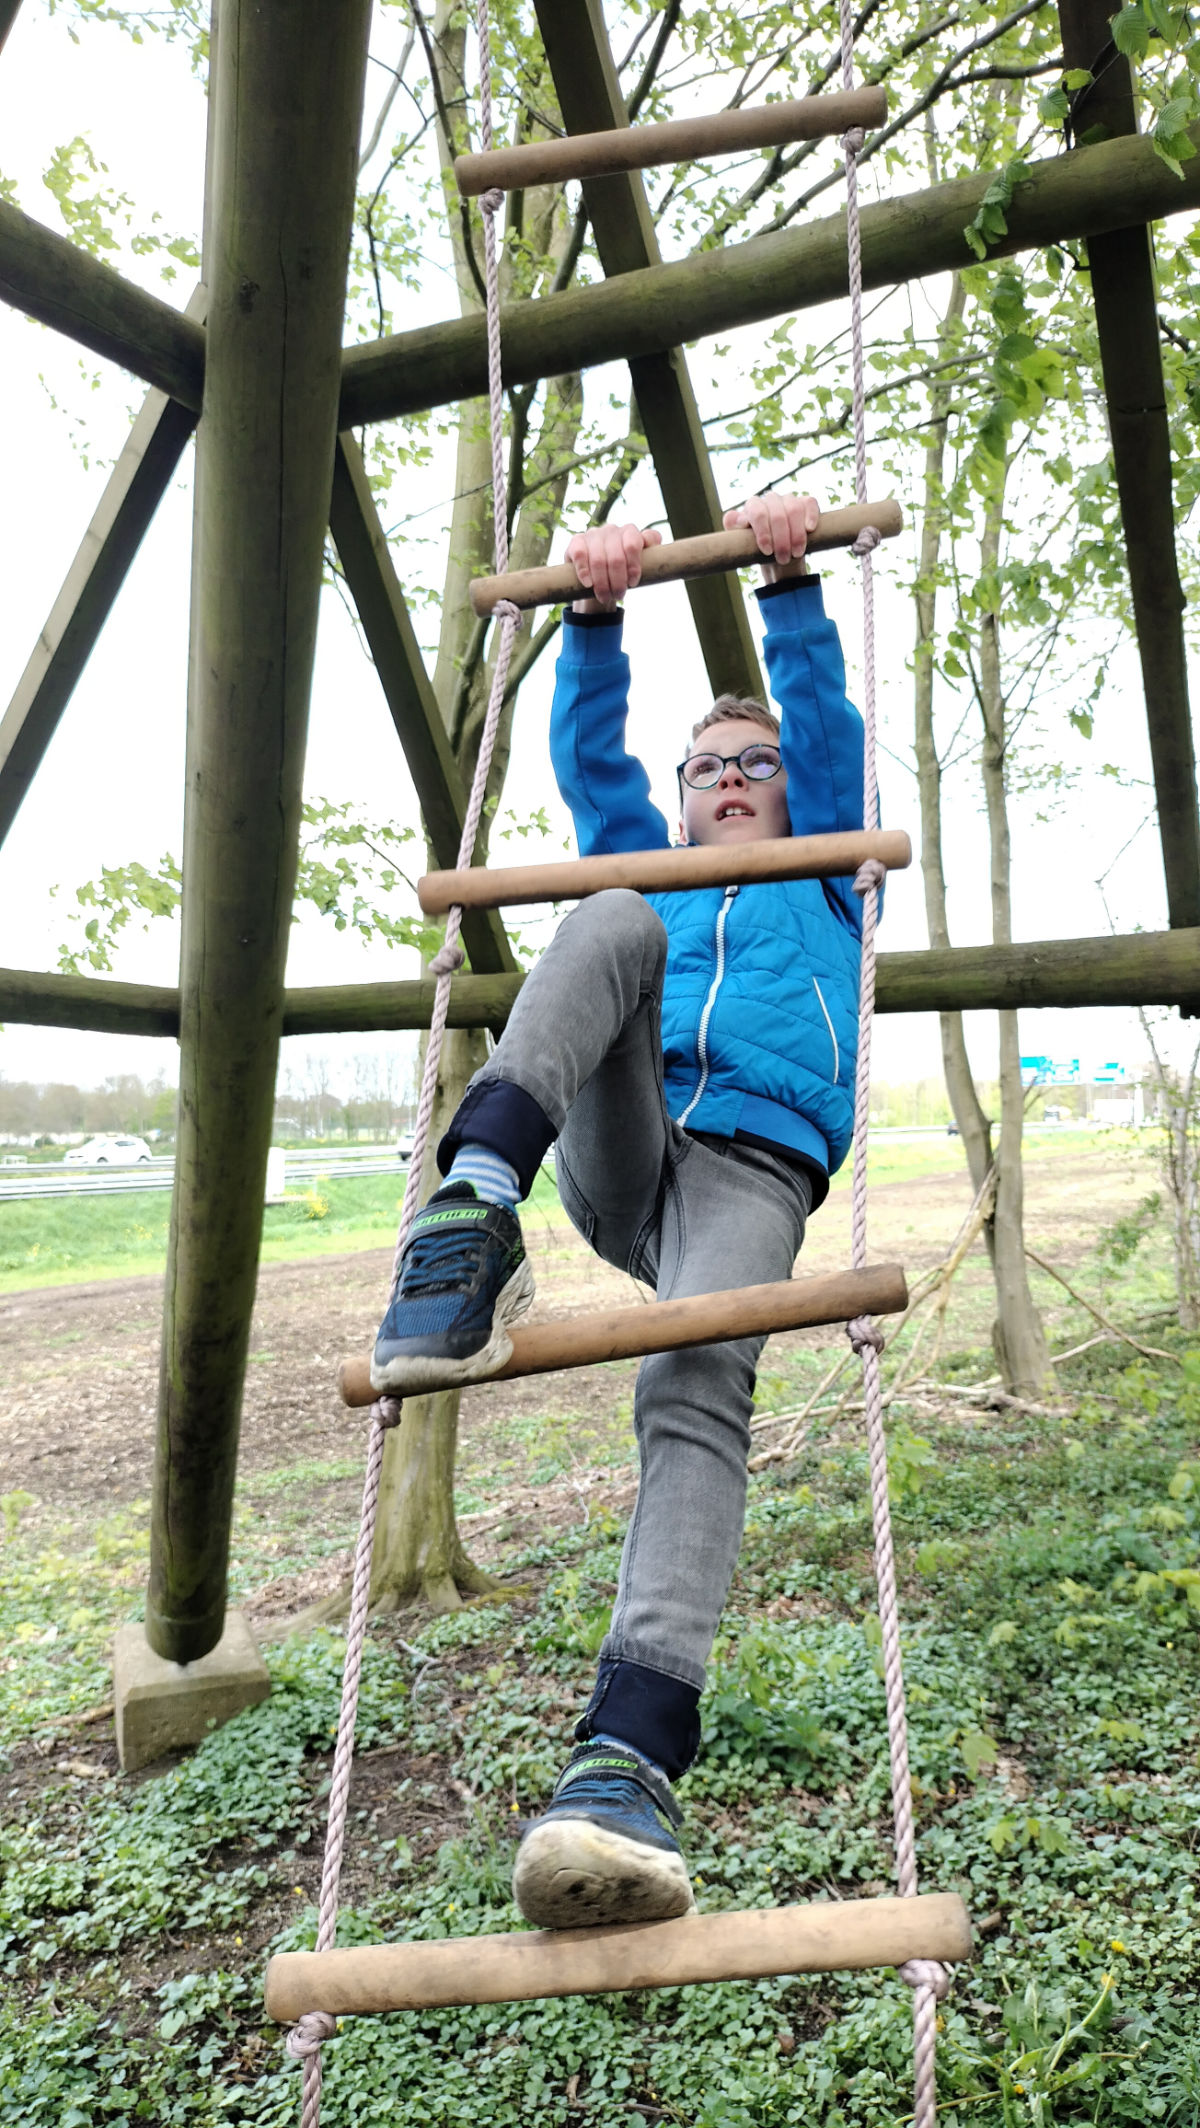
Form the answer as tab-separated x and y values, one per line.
56	282
375	588
288	103
709	554
641	313
845	1935
1152	968
1126	299
667	1325
678	140
136	486
665	871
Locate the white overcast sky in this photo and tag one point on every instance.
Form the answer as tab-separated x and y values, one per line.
111	786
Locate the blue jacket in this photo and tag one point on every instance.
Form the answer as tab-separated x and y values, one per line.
760	1009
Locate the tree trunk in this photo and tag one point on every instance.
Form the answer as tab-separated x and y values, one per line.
1017	1331
974	1126
418	1551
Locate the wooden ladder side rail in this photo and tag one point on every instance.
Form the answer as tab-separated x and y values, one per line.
677	560
844	1935
665	871
677	140
667	1325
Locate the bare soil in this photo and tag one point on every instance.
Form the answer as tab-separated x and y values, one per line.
79	1364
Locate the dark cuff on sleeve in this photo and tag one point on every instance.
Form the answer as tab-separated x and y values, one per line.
571	619
786	583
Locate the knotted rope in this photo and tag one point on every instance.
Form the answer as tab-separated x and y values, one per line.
928	1980
307	2036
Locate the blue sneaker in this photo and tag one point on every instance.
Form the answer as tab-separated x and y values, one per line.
604	1849
464	1276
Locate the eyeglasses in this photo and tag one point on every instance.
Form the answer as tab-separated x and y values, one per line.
757	763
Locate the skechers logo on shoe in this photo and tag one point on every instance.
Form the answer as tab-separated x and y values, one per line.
596	1765
460	1212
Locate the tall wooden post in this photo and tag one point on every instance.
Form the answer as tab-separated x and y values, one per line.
288	102
1123	289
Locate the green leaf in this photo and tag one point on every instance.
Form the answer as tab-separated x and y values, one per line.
980	1751
1054	107
1131	32
1077	78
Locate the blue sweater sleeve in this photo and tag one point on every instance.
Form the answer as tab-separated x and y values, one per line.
606	787
821	735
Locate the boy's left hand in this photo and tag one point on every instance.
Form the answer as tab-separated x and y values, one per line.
781	524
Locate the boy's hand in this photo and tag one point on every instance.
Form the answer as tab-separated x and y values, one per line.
781	524
608	560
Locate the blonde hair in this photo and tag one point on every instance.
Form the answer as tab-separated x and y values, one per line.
729	708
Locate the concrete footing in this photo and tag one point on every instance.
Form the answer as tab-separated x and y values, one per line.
165	1706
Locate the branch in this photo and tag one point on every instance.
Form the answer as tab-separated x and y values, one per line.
1149	1352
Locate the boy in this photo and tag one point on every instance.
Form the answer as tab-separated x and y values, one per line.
693	1056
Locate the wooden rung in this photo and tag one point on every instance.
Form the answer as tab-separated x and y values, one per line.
678	140
666	1325
709	554
844	1935
665	871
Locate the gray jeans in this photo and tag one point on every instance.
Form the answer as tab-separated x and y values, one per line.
688	1215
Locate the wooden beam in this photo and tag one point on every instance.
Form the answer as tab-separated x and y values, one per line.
9	10
1150	968
56	282
1124	293
288	87
845	1935
135	487
604	1334
29	998
709	554
659	307
375	588
667	871
589	94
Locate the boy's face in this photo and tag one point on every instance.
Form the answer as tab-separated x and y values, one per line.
734	809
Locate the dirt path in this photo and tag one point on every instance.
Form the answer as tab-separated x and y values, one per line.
78	1365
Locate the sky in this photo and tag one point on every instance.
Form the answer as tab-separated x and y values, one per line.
111	787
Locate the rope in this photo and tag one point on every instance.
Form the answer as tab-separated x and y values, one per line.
305	2040
928	1980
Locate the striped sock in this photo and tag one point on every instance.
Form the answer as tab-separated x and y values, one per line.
491	1177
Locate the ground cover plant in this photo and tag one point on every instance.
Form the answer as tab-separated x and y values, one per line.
1050	1567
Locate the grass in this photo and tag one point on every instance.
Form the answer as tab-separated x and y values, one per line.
1050	1570
66	1241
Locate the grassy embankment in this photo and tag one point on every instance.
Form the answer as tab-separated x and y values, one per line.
1049	1568
65	1241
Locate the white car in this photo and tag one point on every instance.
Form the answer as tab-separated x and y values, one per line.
109	1152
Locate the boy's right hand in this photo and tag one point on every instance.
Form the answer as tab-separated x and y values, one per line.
608	560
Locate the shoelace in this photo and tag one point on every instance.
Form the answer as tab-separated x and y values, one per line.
442	1262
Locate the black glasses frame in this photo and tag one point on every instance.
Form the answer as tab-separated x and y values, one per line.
759	746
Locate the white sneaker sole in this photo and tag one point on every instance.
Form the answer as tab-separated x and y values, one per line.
570	1873
411	1375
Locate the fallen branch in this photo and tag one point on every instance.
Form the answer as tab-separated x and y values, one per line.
1149	1352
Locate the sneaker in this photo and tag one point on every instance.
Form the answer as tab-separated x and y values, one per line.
464	1277
604	1849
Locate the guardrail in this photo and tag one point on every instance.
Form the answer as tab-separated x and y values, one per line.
58	1178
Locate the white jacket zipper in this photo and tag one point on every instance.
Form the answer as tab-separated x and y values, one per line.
709	1002
829	1023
